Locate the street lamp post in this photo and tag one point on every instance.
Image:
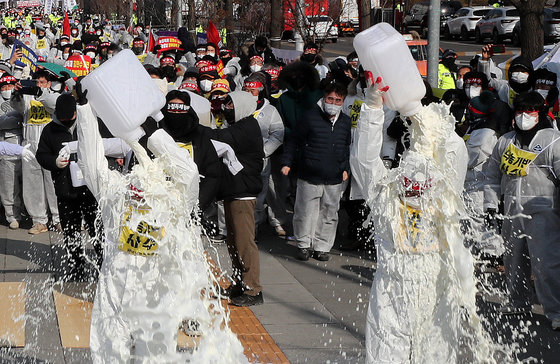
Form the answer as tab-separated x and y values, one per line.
433	42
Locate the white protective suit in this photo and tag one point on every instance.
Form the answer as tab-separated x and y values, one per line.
480	145
424	273
532	216
38	186
141	300
10	185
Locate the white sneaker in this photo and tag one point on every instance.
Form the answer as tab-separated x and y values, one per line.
14	225
38	228
556	324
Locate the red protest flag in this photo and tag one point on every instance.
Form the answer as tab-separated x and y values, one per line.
213	36
66	24
151	42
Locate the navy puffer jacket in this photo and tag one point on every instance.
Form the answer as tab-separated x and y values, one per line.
322	149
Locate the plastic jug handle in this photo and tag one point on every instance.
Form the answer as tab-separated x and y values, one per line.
158	116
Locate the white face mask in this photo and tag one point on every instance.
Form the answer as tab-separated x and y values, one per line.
520	77
206	85
110	55
211	54
331	109
74	32
473	91
459	84
255	68
526	121
63	43
90	54
6	94
65	56
543	93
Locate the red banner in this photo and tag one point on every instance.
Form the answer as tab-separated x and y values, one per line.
168	43
79	64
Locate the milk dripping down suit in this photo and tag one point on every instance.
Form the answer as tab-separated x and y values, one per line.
413	307
154	268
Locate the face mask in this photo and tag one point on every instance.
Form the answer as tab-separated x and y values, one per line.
90	54
65	56
147	31
211	54
520	77
331	109
107	27
179	124
543	93
525	121
459	84
255	68
473	91
308	57
68	123
74	32
63	43
206	85
27	32
110	55
229	114
7	94
98	33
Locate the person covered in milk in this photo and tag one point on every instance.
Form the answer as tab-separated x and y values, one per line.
414	309
154	267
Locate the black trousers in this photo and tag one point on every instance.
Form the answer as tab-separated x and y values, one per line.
71	212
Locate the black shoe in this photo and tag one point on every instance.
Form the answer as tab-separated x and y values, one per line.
322	256
245	300
303	254
234	290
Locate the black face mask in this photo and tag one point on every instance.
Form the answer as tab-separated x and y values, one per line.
179	124
308	57
137	50
4	36
229	114
225	60
68	123
11	40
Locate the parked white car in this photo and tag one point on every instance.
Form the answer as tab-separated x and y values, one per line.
322	27
463	22
498	24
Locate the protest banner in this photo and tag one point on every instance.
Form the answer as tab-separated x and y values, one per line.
79	64
28	57
168	44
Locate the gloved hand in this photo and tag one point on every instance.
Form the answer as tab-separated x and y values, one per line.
374	94
63	158
64	76
156	49
68	148
81	94
26	154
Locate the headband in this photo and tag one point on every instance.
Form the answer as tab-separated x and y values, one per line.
254	84
177	107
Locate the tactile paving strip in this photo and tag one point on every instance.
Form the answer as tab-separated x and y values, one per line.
12	314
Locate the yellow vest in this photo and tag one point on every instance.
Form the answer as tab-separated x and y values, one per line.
446	79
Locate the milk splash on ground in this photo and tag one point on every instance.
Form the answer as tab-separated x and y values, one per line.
429	246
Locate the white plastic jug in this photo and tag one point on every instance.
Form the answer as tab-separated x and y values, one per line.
383	51
123	95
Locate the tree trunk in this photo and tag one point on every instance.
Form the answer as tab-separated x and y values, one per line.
229	24
276	22
532	32
174	10
191	20
365	13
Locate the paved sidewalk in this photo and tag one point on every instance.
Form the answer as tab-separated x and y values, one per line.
314	311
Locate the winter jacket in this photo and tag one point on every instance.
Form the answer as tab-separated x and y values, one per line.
50	144
272	128
323	147
244	136
292	105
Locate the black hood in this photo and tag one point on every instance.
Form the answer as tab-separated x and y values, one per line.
527	65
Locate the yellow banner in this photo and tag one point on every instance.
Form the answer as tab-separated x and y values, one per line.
515	161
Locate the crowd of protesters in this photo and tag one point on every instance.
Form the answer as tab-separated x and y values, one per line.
290	127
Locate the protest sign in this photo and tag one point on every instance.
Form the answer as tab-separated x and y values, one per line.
28	57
